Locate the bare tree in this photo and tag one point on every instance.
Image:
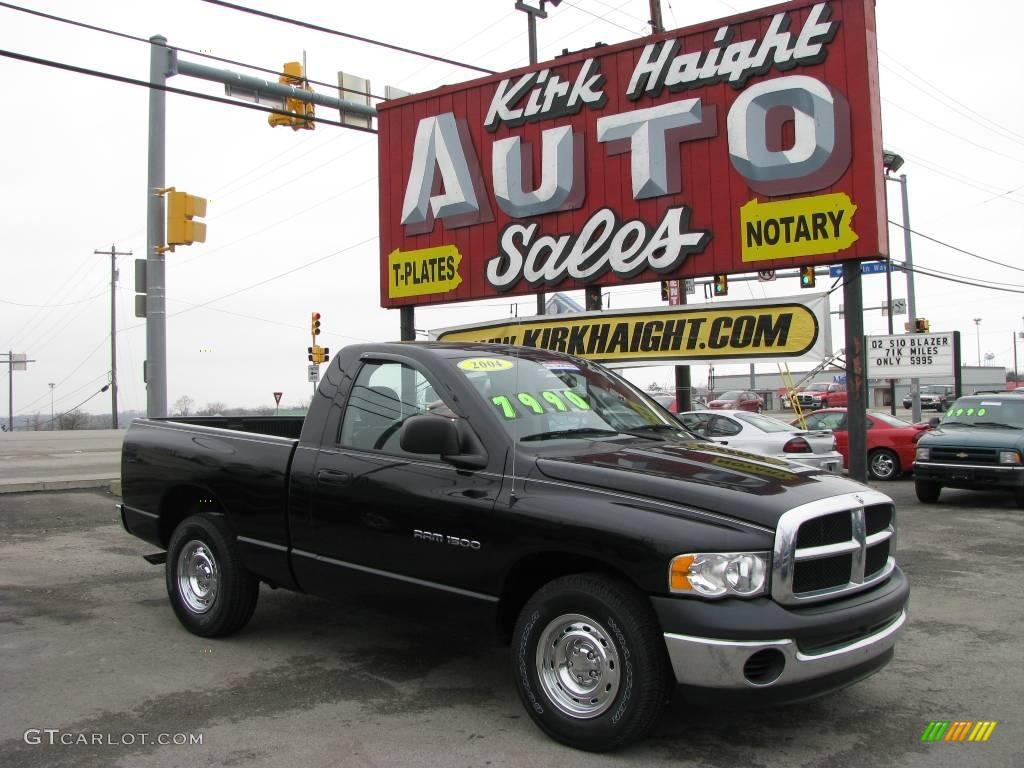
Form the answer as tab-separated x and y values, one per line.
76	419
213	409
183	405
264	410
37	422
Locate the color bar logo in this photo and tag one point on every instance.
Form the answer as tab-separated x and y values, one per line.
958	730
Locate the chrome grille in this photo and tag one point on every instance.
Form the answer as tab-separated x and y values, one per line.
833	547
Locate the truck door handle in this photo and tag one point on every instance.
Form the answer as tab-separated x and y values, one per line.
332	477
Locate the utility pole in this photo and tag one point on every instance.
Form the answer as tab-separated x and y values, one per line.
657	27
114	253
52	385
16	361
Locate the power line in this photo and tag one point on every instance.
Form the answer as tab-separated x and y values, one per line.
168	88
329	31
49	306
954	248
139	39
952	279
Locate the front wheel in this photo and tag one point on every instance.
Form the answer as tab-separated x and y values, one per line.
927	491
589	662
883	464
210	591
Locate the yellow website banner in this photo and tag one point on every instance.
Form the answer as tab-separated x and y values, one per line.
735	333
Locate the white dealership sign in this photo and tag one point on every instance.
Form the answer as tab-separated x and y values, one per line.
910	355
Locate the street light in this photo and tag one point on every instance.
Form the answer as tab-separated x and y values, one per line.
977	329
52	385
892	162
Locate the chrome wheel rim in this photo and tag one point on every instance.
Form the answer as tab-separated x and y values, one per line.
883	465
578	666
198	576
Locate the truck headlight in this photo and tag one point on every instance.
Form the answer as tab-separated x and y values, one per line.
923	454
1009	457
719	574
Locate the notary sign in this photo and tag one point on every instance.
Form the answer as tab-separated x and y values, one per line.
745	144
745	330
910	355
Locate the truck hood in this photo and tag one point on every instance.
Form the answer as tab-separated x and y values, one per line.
746	486
974	437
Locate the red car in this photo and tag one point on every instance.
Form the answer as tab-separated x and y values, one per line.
738	400
891	441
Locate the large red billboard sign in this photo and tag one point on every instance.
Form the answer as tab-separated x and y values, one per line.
749	143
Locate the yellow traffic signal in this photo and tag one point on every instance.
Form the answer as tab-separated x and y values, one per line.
182	208
314	325
721	285
300	113
807	278
921	325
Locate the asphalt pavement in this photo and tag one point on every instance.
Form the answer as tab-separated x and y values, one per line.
91	649
36	461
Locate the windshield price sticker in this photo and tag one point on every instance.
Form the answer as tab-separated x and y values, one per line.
549	400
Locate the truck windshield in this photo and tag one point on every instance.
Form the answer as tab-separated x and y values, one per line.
538	396
986	412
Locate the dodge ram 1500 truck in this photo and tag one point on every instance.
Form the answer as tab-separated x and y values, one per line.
620	554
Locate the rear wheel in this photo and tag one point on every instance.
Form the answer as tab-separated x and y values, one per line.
883	464
927	491
589	662
210	591
1020	497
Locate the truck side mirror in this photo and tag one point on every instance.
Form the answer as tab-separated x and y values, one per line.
429	433
435	434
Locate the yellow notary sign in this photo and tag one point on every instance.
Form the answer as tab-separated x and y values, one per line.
424	271
804	226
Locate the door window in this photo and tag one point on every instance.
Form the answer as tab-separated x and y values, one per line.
384	395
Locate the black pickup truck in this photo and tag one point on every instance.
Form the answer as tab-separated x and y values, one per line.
621	555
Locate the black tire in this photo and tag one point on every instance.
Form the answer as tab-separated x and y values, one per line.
611	630
1019	497
883	464
210	591
927	491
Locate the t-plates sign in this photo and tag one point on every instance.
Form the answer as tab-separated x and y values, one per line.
753	140
277	397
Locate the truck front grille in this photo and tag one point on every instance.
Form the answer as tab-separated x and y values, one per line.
964	455
833	547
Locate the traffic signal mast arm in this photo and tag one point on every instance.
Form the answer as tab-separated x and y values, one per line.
256	89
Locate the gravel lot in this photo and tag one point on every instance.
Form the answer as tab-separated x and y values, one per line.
90	646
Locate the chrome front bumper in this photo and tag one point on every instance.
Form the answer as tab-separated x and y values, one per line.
711	663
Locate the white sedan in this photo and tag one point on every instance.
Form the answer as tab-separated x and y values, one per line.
757	433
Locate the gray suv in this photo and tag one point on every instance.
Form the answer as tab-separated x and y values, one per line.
937	396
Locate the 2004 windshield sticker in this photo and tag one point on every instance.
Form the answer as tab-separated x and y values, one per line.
548	400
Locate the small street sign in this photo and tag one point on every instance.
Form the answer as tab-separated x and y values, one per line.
691	286
313	373
277	397
766	275
866	268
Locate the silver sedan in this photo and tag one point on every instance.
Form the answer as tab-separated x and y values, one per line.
757	433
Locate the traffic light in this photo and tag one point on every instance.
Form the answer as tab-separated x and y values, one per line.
664	290
311	354
324	357
721	285
314	325
921	325
300	113
807	277
182	208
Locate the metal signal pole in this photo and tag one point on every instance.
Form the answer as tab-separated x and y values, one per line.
114	253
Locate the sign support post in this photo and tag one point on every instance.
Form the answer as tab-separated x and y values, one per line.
856	381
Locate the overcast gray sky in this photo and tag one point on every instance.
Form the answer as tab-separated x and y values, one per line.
73	179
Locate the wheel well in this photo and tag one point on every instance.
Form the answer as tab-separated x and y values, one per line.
181	502
533	572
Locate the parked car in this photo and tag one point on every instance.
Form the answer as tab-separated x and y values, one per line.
620	554
891	441
763	434
822	394
738	399
978	445
937	396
